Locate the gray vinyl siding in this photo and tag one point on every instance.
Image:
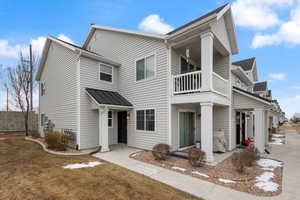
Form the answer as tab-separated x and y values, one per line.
89	119
221	121
126	49
59	75
220	31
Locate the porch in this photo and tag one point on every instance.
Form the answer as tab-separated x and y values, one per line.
201	122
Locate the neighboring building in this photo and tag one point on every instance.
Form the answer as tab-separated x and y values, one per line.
141	89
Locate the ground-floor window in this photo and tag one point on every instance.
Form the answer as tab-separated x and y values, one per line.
110	119
145	120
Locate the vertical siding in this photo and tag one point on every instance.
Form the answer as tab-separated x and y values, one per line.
126	49
89	119
59	102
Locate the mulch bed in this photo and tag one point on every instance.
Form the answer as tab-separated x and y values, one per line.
224	170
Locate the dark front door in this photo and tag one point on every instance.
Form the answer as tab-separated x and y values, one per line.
122	127
238	127
243	127
186	126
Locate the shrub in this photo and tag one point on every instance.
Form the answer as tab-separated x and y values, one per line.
161	151
245	158
196	157
56	141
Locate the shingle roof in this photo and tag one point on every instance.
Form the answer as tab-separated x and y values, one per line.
198	19
108	97
246	64
260	86
252	94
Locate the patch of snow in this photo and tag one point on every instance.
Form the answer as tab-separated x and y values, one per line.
264	182
268	168
268	163
82	165
200	174
276	141
134	155
279	136
179	168
267	186
226	180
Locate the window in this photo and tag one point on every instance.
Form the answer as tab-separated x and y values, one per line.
145	120
110	119
43	90
106	73
187	67
145	68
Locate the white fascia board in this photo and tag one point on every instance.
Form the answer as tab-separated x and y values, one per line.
97	57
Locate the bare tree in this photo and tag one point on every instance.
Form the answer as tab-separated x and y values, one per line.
19	83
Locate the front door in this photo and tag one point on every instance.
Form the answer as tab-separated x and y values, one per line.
186	129
238	128
122	127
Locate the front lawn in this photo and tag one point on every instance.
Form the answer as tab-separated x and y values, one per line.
27	172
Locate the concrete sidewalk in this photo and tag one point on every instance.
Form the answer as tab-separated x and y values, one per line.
288	153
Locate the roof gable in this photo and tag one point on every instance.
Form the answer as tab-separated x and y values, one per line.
246	64
260	86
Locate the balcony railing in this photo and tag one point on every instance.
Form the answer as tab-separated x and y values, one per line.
187	83
220	84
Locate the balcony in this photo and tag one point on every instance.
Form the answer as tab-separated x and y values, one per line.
192	82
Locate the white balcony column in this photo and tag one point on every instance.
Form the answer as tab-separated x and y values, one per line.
207	60
207	130
260	129
103	129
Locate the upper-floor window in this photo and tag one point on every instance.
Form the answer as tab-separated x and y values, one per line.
145	120
106	73
186	67
145	68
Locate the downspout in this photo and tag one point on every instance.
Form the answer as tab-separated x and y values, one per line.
78	99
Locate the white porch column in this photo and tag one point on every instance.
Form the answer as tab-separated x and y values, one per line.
207	130
207	60
103	129
260	128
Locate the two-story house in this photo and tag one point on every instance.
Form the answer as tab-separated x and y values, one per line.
138	88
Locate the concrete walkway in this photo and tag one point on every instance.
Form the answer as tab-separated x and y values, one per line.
288	153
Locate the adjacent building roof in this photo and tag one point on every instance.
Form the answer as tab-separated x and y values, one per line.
104	97
216	11
246	64
252	94
260	86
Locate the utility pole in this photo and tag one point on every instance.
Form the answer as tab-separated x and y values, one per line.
31	68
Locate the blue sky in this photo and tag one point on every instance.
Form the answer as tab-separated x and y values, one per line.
266	29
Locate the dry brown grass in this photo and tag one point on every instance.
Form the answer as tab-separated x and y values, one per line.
295	127
27	172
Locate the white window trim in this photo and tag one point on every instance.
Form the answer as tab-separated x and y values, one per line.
155	120
112	73
155	67
112	119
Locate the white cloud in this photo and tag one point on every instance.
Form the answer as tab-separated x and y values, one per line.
288	32
277	76
290	105
154	23
258	14
8	50
295	87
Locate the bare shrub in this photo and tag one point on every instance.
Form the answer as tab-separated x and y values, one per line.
245	158
161	151
196	157
56	141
